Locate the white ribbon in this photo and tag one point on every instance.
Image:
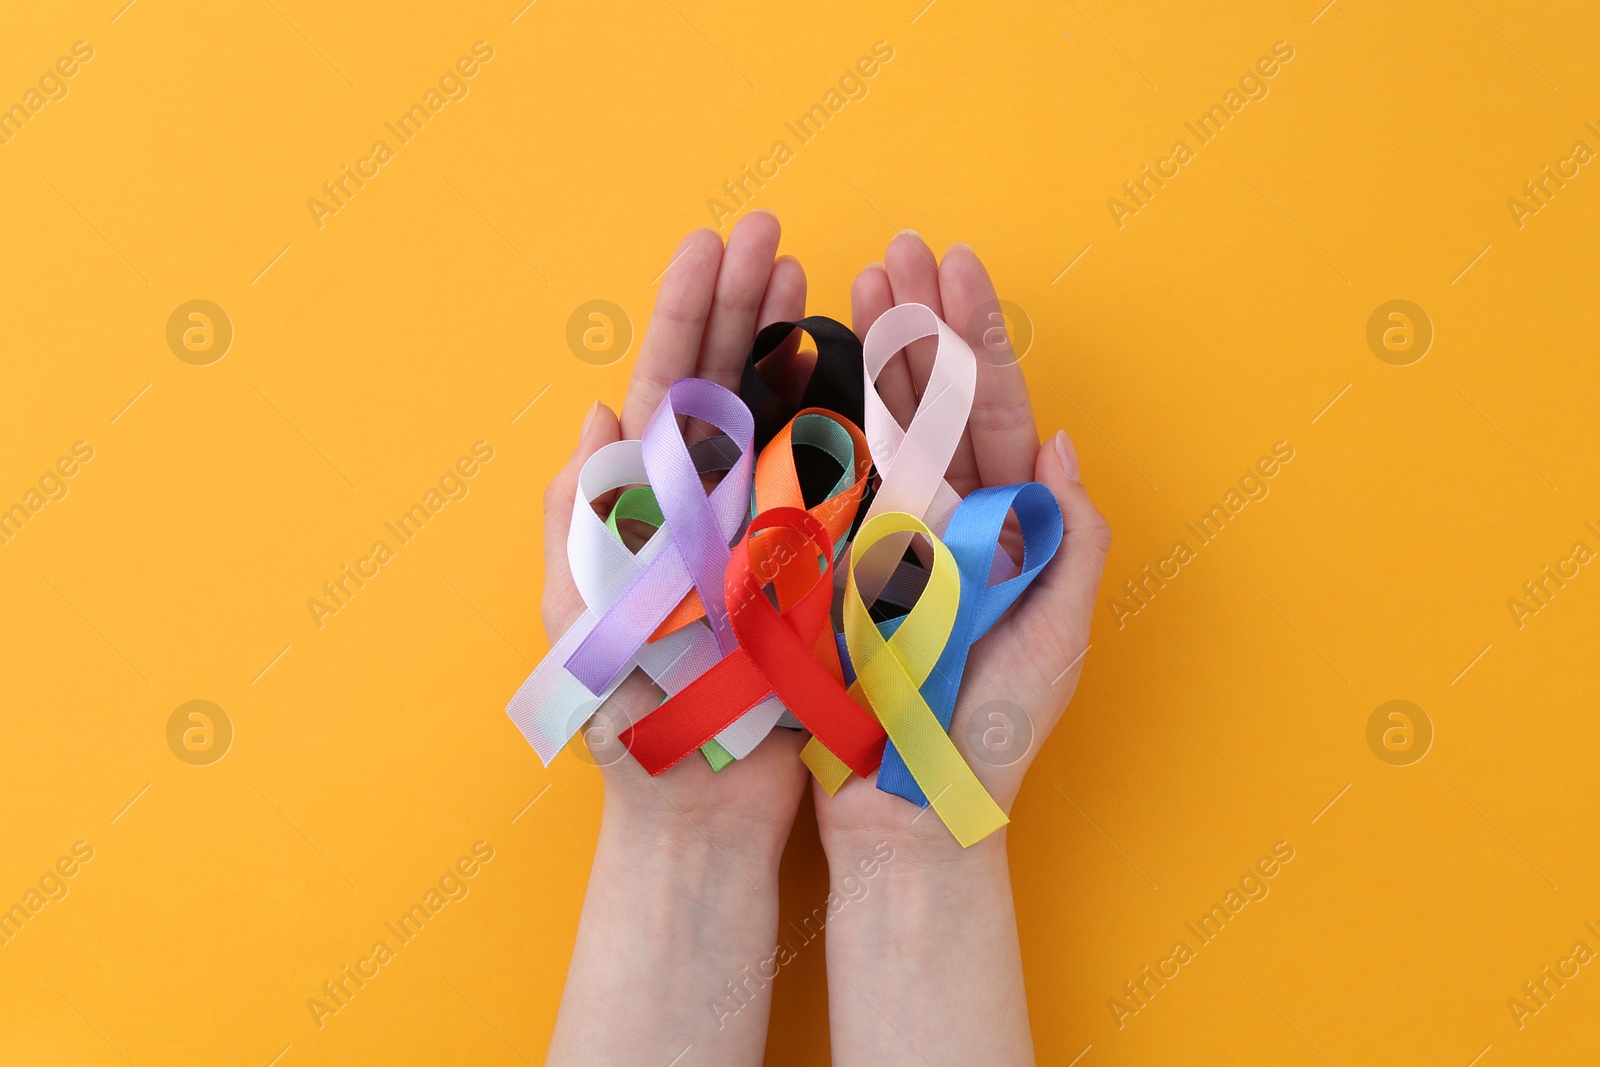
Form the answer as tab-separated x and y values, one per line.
551	704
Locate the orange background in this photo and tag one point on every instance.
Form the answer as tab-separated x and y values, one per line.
1228	314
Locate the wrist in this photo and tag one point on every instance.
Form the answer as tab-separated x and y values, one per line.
662	836
912	850
931	939
917	837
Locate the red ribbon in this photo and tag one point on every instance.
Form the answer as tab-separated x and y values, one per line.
788	653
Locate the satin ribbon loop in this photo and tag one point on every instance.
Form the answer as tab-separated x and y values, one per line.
835	384
911	461
700	527
972	535
782	652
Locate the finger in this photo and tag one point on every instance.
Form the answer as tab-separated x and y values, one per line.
1056	610
561	603
785	301
671	345
870	297
742	283
1004	441
914	278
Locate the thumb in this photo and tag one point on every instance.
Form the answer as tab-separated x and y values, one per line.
1060	602
562	603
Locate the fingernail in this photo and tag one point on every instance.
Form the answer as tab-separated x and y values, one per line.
909	233
876	264
588	420
1066	455
959	244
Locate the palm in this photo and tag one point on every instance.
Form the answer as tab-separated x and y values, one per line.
711	303
1020	676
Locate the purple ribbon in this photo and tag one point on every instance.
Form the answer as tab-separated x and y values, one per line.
702	527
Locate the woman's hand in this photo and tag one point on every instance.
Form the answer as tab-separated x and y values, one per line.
924	963
1023	672
682	907
710	305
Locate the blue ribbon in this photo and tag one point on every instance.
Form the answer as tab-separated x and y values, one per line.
972	537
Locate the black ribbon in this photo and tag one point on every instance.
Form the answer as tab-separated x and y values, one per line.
836	381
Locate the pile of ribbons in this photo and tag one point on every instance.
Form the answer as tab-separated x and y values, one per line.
805	504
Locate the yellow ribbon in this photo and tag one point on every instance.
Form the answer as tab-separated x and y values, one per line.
890	673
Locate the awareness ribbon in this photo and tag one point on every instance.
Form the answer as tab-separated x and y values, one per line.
551	705
891	671
778	483
836	381
699	527
785	651
971	537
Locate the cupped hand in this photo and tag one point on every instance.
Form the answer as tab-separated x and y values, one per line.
712	302
1020	675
